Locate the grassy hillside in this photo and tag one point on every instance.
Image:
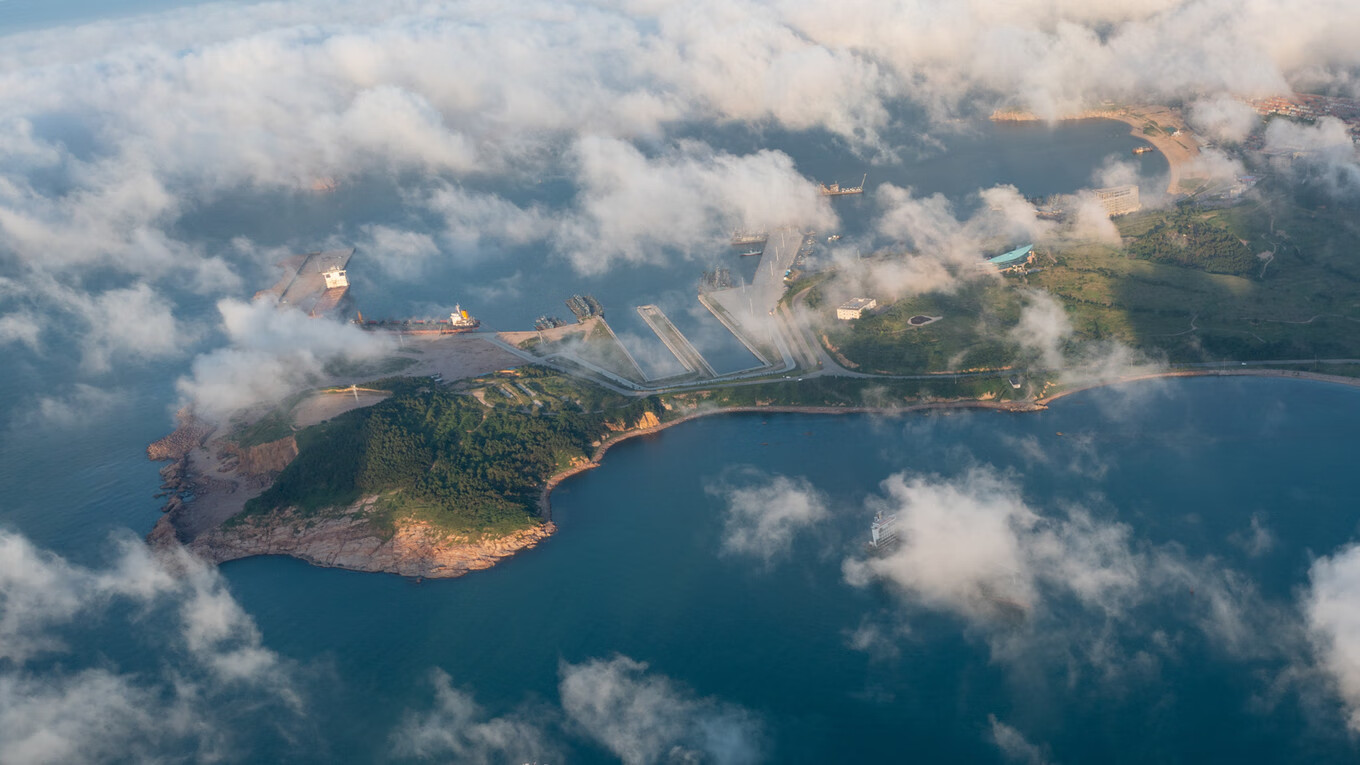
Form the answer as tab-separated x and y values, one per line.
1262	280
470	459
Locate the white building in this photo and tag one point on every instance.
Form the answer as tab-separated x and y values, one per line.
335	278
1119	200
854	309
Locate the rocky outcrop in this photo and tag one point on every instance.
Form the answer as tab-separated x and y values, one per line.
350	541
189	434
264	459
647	421
176	480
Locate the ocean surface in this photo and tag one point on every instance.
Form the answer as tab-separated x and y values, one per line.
1218	494
638	569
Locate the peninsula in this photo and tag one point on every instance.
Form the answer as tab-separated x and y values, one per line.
449	467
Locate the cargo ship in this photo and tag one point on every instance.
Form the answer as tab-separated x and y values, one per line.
1142	149
458	322
749	238
835	190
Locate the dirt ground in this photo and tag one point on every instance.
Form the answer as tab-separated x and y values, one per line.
550	335
456	356
321	406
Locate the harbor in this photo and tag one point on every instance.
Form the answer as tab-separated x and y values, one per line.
676	342
314	282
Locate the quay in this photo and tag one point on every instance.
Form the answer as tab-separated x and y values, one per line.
679	345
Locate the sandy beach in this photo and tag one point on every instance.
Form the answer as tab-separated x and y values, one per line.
1180	150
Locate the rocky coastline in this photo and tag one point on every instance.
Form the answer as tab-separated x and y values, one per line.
415	549
209	480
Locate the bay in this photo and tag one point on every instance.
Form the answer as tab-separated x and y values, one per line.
637	569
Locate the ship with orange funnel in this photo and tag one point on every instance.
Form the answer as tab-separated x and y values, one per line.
458	322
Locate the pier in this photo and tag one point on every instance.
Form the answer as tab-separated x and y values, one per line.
749	312
314	282
684	351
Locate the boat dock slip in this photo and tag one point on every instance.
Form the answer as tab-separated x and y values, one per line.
678	344
749	311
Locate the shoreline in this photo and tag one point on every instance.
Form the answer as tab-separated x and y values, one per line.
1177	153
422	556
1036	405
1350	382
596	459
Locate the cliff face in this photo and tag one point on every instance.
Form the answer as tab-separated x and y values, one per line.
350	542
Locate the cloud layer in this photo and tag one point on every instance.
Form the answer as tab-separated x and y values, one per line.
764	513
216	675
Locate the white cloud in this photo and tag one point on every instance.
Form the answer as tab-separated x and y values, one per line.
644	718
76	406
1045	335
635	209
114	130
1065	589
133	322
22	328
1013	744
763	518
1256	540
1333	619
64	712
273	351
1223	118
1322	153
974	547
456	729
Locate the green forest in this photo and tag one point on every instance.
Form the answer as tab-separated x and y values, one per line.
1187	238
469	459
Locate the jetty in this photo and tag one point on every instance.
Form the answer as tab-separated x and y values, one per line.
679	345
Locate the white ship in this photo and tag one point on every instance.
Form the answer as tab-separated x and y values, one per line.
884	530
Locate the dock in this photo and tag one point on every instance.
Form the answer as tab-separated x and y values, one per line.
679	345
314	282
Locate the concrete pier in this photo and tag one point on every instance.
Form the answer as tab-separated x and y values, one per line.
684	350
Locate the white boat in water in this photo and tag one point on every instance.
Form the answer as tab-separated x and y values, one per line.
884	531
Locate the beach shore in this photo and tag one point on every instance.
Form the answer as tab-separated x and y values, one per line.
1172	138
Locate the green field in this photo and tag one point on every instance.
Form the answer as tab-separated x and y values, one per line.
1188	285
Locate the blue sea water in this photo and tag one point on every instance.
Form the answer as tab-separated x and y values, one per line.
637	569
